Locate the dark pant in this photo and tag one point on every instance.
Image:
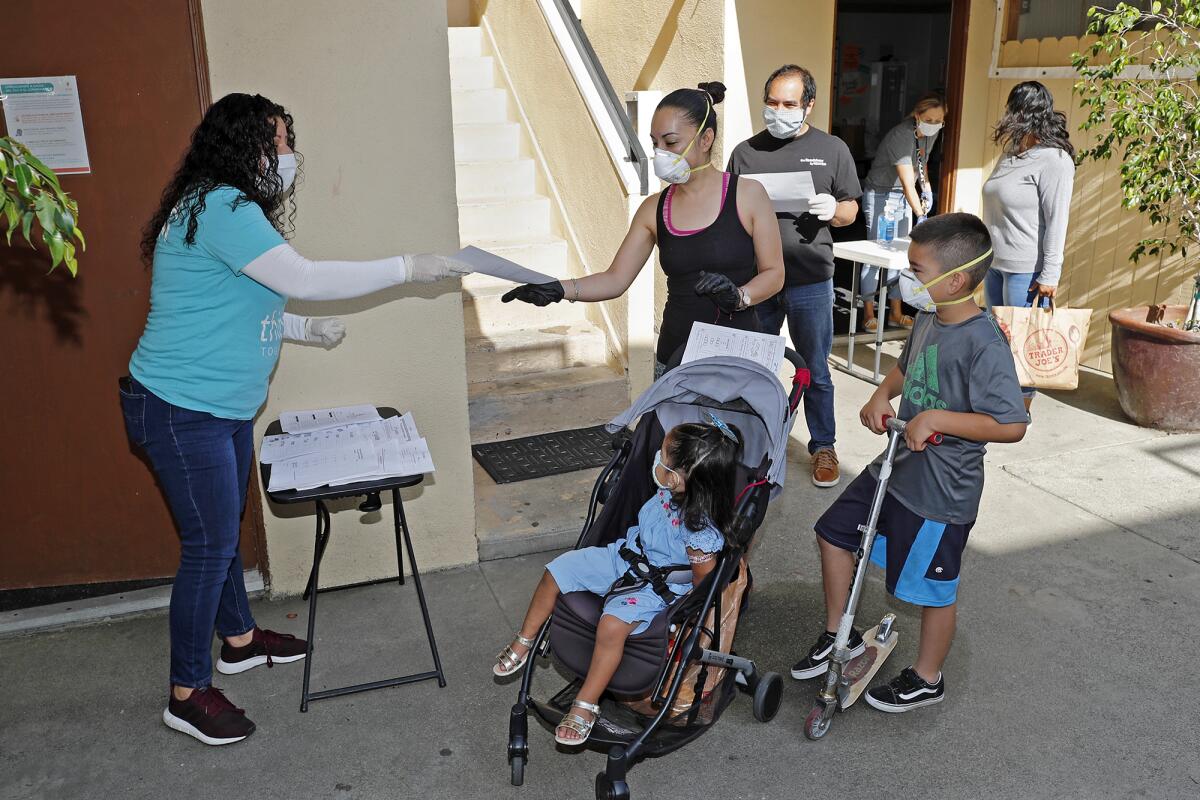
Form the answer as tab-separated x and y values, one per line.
203	465
809	313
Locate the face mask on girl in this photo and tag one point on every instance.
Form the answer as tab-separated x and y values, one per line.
673	167
783	123
929	128
658	462
916	294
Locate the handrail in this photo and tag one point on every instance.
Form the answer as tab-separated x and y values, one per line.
621	139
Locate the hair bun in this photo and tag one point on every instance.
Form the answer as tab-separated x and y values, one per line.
715	89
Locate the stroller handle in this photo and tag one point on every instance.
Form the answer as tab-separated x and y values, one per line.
898	425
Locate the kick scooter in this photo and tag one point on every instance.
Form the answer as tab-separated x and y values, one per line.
847	677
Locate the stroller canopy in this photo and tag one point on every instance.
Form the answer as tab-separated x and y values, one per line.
741	392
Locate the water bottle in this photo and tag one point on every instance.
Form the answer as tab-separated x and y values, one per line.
889	223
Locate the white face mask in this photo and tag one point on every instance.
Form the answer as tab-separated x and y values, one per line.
929	128
658	462
916	294
783	123
674	167
287	169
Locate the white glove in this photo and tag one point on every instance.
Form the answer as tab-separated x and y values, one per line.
326	331
428	267
823	206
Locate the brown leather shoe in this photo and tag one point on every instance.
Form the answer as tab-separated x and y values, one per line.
825	468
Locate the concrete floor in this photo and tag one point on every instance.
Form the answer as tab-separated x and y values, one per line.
1072	675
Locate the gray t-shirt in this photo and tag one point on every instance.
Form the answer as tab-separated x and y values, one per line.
1026	204
966	367
899	146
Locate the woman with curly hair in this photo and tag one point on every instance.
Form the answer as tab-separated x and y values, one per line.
222	273
1027	200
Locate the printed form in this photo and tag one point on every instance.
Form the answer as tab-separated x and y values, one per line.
713	340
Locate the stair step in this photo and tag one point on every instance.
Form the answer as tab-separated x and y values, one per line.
516	519
525	405
504	217
487	315
472	72
483	179
487	141
479	105
506	355
465	42
546	254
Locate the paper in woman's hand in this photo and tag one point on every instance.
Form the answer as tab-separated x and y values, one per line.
491	264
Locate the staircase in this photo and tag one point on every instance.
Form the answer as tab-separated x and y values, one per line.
530	370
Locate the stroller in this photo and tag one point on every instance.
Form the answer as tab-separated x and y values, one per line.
673	681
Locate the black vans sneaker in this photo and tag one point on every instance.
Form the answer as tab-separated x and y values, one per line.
907	691
208	716
817	661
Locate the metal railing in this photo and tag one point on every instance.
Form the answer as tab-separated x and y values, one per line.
632	149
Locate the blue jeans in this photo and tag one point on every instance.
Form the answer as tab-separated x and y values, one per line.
809	313
873	204
1011	289
203	465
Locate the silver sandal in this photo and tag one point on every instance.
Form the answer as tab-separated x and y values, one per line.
576	723
507	660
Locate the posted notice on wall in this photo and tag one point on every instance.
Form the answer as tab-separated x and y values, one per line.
43	114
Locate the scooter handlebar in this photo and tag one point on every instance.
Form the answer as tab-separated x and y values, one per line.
898	425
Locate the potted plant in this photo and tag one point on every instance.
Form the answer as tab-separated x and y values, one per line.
33	202
1139	87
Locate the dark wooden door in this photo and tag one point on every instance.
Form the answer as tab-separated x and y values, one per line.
77	505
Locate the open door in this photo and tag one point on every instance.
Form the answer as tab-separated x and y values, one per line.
78	506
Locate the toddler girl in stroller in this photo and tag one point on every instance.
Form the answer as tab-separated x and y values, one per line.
674	544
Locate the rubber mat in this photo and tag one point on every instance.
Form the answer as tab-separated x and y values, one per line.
544	454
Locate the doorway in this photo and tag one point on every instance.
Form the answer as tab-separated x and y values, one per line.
888	54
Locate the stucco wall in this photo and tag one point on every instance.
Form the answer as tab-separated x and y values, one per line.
370	93
591	191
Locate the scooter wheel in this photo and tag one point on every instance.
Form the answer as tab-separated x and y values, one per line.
611	790
517	762
816	725
767	697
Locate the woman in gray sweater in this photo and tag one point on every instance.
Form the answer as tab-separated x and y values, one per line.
1027	200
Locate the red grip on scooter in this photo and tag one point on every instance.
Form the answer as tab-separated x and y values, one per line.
934	439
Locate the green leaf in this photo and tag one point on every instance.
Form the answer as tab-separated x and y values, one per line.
13	217
45	171
79	235
24	179
26	224
57	248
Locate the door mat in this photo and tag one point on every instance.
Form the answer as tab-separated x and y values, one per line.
544	454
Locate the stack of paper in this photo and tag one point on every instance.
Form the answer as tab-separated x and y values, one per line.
335	446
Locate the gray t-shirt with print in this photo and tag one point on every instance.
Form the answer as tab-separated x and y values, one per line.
965	367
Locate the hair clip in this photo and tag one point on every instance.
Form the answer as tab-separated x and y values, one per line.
720	425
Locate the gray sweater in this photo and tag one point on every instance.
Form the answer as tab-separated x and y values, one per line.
1026	203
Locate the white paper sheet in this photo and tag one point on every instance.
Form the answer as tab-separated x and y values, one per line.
712	340
332	467
287	446
320	419
789	191
492	264
43	114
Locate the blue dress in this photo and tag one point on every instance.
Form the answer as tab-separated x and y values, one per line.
662	536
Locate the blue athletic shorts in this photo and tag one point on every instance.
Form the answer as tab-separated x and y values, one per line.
921	557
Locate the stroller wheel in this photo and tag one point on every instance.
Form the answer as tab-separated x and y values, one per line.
517	762
767	696
609	789
817	723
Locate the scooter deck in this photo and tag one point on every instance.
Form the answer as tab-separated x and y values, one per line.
862	668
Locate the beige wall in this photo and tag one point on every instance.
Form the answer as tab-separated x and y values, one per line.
594	202
370	95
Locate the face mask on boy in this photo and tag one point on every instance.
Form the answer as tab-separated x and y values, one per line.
916	294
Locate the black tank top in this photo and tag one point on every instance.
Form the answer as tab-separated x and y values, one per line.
724	247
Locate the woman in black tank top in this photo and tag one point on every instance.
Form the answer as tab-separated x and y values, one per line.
718	237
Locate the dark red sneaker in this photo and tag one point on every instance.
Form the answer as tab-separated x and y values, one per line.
267	647
208	716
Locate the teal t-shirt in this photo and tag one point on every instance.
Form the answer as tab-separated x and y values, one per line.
213	334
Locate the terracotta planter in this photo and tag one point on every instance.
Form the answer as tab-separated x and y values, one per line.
1156	369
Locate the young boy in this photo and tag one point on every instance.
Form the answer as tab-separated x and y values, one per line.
956	377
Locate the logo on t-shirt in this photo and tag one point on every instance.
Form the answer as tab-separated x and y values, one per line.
271	334
921	385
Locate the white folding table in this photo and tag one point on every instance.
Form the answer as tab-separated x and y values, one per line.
890	256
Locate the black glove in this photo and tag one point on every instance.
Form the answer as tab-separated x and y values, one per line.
723	291
540	294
